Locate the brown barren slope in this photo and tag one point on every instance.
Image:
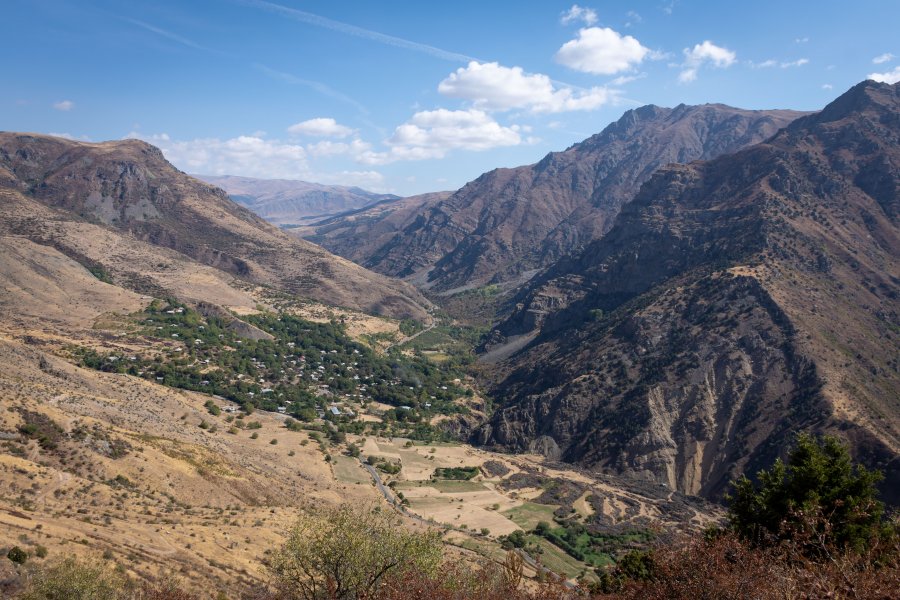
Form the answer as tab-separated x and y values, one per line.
126	196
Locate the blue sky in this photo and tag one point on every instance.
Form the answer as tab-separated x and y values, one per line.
410	97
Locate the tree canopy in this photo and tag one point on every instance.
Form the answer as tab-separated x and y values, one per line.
819	493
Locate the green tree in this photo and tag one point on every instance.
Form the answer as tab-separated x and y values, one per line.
818	494
347	551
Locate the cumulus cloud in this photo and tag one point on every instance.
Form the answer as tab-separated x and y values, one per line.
888	77
601	51
255	156
588	16
246	155
491	86
320	127
432	133
883	58
64	105
701	54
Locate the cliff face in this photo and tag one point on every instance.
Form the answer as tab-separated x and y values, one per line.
128	188
510	222
733	302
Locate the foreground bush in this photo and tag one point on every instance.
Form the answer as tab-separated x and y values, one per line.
726	567
347	552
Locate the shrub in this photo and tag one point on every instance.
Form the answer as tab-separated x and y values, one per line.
347	552
17	555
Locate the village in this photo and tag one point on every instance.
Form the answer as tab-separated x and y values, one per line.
294	367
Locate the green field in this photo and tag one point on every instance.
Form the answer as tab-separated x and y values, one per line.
450	486
529	514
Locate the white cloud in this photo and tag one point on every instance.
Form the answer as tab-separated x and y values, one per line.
883	58
588	16
888	77
794	63
601	51
491	86
252	156
321	127
432	133
243	155
827	86
766	64
632	18
801	40
623	79
705	53
329	148
64	105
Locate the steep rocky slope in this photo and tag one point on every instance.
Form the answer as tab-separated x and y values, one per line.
734	302
290	202
120	206
509	222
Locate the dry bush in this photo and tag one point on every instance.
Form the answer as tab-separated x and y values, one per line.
726	567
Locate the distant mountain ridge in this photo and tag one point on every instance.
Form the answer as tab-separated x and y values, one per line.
511	222
293	202
733	302
121	206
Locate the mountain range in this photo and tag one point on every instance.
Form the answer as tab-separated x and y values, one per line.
509	223
292	202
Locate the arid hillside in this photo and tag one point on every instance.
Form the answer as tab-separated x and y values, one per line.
121	207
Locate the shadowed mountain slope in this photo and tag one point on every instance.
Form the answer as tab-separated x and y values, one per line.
733	302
